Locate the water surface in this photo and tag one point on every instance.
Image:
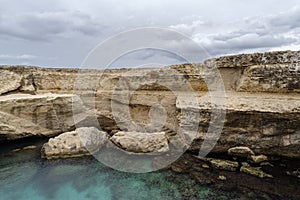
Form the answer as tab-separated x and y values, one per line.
23	175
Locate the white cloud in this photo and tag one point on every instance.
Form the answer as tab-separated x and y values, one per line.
18	57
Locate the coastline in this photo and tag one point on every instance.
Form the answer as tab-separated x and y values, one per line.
257	152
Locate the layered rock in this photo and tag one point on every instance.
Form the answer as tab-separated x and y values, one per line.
25	115
262	101
83	141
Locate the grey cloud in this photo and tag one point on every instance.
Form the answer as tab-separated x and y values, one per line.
148	58
44	25
246	42
67	30
261	32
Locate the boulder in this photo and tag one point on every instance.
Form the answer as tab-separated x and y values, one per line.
138	142
243	152
9	81
83	141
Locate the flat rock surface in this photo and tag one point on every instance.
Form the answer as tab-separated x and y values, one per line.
244	101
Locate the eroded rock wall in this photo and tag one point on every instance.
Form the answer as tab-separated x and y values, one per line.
262	99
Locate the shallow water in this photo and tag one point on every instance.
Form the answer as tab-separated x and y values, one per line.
23	175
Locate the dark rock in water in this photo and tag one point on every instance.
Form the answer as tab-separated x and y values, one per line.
255	171
258	182
224	164
31	147
258	159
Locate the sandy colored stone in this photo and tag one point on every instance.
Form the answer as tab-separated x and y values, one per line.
25	115
9	81
139	142
83	141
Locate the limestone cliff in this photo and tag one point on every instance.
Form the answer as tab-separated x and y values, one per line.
262	100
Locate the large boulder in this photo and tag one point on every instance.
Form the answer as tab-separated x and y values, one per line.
138	142
83	141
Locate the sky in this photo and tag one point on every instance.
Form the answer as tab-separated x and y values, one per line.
53	33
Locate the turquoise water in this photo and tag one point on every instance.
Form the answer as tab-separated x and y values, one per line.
23	175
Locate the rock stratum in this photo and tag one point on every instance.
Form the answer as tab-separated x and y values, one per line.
243	109
262	101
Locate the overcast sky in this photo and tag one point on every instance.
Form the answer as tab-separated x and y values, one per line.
54	33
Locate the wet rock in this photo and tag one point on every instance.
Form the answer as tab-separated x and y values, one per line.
16	150
31	147
258	159
222	178
205	166
138	142
295	173
83	141
183	164
240	152
266	164
223	164
255	171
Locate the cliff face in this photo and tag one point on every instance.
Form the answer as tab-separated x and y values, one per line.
262	101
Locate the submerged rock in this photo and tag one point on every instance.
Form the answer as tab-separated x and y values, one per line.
31	147
82	141
255	171
295	173
223	164
222	178
138	142
258	159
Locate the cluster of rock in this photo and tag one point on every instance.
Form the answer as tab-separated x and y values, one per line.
242	160
89	140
